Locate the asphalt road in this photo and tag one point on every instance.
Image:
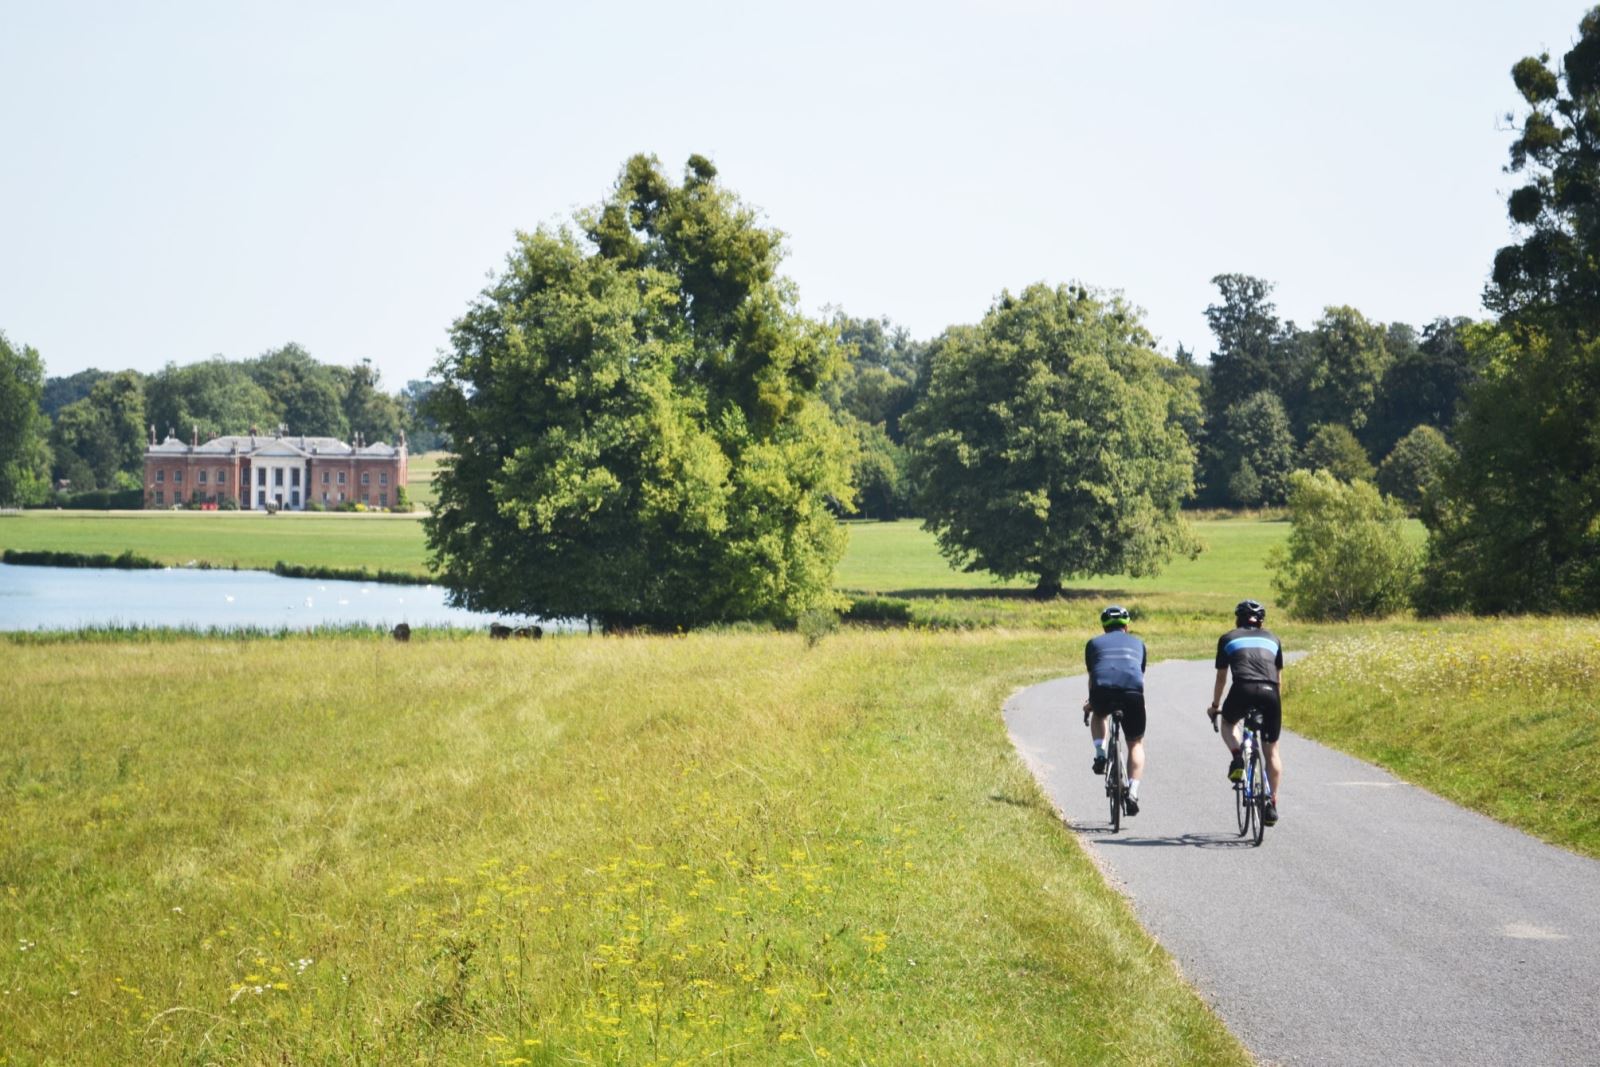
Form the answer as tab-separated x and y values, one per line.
1377	924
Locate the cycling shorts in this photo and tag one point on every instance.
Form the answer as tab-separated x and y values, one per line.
1244	695
1102	698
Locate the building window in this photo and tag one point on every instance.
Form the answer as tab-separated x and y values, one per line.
177	476
294	476
383	500
324	496
202	477
341	498
324	481
261	496
222	477
277	476
341	482
261	479
294	498
366	478
161	497
366	498
383	477
161	475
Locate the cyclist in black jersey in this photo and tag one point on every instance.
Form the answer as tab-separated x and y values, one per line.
1116	661
1255	657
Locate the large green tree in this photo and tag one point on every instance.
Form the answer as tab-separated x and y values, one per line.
1518	528
309	395
635	415
102	436
1049	442
211	397
24	453
1256	450
1552	274
1346	357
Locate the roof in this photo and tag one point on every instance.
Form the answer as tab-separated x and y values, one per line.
256	445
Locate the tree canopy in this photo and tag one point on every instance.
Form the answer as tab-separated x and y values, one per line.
24	453
1049	442
635	412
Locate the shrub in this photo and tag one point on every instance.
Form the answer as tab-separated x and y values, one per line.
876	609
1413	469
1334	448
1346	557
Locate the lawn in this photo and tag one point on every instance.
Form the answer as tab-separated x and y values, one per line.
420	470
898	558
714	849
244	539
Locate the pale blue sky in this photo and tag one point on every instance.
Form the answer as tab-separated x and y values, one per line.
187	179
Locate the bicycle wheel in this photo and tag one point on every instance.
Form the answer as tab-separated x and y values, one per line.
1114	777
1258	796
1241	809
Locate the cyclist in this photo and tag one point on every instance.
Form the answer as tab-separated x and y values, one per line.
1116	661
1255	656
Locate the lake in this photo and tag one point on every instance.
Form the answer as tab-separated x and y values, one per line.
66	598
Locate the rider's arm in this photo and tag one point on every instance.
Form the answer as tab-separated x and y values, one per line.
1216	692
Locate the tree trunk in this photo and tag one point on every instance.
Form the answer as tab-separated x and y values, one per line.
1049	587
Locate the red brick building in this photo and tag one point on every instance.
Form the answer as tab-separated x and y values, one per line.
286	472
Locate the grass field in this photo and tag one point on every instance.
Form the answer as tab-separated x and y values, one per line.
420	470
712	849
1496	715
897	558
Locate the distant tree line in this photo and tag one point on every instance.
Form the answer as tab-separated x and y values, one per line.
89	430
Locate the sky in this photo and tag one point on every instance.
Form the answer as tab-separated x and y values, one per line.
182	180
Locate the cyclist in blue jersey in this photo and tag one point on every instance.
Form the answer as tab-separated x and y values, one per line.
1255	657
1116	661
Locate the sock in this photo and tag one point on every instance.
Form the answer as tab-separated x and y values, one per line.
1099	747
1133	788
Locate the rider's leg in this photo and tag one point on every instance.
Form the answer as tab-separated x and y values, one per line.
1232	734
1274	765
1097	729
1135	765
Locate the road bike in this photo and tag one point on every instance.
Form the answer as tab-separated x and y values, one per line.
1116	776
1251	793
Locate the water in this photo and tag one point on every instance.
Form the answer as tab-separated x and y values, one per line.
66	598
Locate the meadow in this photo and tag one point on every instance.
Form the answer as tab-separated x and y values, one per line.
1496	715
728	847
724	848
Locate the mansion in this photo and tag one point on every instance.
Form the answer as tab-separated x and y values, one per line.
280	472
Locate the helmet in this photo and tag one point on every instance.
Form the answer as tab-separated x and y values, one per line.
1114	615
1251	612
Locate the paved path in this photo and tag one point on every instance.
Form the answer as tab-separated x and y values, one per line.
1394	927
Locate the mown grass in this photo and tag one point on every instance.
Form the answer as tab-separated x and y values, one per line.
713	849
420	471
228	539
1497	715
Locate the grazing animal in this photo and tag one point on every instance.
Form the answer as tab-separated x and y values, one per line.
534	632
402	632
499	632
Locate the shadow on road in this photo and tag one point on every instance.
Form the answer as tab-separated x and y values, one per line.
1102	835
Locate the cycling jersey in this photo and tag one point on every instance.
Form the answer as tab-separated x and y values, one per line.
1115	660
1254	655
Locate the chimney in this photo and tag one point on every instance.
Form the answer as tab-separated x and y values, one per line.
152	434
194	435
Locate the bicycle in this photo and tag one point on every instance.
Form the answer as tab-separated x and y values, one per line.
1116	778
1252	792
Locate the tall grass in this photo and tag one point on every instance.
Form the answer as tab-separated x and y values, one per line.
1499	716
713	849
